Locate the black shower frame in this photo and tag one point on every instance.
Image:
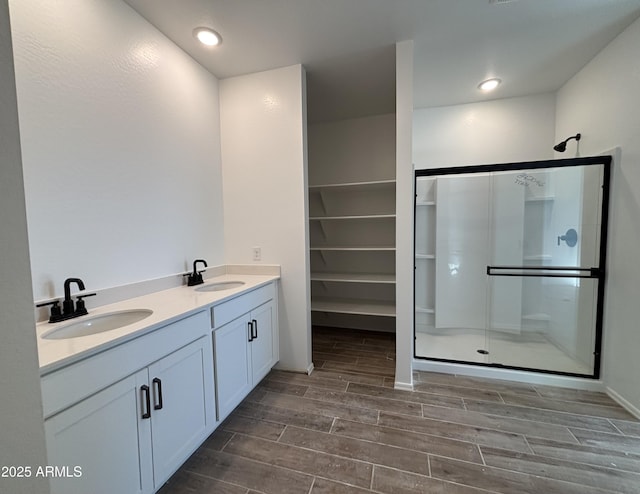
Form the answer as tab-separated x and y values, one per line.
606	161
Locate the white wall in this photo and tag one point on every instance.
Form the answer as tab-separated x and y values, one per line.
404	215
602	102
120	143
498	131
21	426
352	150
263	125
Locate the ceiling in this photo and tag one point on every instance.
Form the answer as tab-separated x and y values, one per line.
348	46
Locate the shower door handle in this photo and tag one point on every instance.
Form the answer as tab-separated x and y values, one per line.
545	271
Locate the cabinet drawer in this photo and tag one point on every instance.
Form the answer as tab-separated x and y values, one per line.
228	311
69	385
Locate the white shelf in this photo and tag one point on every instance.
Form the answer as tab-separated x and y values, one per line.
352	217
425	203
425	256
374	183
424	310
353	306
354	277
353	248
539	257
539	199
536	317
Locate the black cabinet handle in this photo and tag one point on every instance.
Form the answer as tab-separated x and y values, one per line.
157	384
254	325
251	338
146	396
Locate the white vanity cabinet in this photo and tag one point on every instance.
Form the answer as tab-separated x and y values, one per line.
245	341
103	436
131	435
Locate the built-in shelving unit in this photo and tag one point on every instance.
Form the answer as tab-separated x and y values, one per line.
352	234
425	252
352	222
539	204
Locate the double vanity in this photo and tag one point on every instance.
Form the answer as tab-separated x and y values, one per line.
131	390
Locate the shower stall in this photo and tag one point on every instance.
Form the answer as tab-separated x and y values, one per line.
509	264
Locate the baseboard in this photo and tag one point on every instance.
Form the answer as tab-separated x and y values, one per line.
401	385
623	402
307	370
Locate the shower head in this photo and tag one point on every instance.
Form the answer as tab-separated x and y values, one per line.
562	146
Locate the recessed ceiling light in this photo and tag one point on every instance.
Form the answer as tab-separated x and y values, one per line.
207	36
489	84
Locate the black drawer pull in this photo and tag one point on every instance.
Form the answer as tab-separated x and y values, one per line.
146	396
254	325
157	385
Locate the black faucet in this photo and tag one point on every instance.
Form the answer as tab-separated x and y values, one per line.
69	308
195	278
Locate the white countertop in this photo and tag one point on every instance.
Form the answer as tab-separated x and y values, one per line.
167	306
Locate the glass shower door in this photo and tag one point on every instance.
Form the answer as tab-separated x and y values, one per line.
508	265
545	269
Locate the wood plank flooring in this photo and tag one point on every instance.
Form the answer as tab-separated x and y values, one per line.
345	430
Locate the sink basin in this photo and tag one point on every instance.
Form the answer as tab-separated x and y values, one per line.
97	324
221	285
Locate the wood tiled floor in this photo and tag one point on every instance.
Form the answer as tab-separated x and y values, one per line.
344	429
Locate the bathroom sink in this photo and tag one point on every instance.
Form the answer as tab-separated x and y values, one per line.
221	285
88	325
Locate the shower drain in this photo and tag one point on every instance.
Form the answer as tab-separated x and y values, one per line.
483	352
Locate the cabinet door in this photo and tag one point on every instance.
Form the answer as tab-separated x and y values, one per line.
181	402
262	354
232	364
106	436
